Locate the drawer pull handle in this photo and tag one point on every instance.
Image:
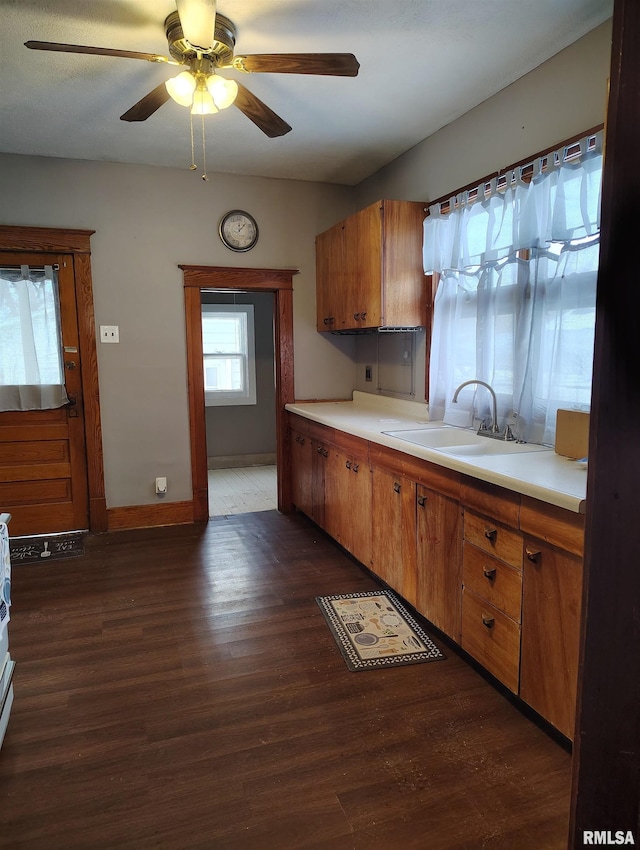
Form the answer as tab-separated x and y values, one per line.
325	453
490	573
319	450
422	500
348	464
488	621
356	467
533	554
396	487
491	534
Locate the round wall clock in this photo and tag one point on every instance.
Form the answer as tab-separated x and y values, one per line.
238	230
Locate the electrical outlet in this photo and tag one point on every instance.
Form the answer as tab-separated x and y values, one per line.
161	486
109	333
367	373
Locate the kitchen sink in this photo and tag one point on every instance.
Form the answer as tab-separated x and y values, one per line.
462	442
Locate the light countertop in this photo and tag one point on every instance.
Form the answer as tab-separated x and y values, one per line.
540	473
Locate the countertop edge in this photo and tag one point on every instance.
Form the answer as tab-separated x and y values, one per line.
472	468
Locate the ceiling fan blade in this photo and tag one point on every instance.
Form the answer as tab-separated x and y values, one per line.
95	51
258	112
149	104
331	64
198	21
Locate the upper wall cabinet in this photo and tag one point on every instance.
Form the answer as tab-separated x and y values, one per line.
369	269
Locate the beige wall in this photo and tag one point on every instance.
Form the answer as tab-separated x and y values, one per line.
559	99
147	221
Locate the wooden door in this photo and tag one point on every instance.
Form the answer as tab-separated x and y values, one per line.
43	463
439	542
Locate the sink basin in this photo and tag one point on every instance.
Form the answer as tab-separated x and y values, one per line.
462	442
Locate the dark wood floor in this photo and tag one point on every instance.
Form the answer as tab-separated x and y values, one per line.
179	688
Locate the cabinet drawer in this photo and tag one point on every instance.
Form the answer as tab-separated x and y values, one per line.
502	542
492	580
492	638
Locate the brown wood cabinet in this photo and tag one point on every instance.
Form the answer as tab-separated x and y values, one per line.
438	562
393	531
348	498
369	269
499	573
551	606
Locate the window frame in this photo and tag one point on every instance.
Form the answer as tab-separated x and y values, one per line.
248	394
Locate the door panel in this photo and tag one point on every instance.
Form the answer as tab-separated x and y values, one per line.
43	467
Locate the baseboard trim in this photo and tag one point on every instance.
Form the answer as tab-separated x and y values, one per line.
150	516
236	461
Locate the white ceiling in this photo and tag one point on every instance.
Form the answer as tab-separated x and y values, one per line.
423	63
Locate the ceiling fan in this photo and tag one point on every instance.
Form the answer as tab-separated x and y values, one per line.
204	42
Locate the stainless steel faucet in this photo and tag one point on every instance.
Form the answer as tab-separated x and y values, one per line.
493	430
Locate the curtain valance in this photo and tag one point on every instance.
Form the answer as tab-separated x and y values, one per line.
560	203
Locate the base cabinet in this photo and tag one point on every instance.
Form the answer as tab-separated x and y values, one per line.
500	574
551	606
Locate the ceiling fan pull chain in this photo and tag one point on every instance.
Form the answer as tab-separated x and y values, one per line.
204	153
193	165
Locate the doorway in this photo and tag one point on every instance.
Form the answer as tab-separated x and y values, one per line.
235	280
239	384
51	458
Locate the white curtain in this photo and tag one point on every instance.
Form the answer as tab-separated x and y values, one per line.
31	368
515	304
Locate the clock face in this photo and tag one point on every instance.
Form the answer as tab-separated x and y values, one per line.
238	230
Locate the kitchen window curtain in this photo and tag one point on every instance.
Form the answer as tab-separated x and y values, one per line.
31	369
515	303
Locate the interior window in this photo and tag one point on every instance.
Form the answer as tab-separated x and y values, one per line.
228	342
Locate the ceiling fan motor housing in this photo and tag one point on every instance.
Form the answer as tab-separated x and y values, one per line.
221	51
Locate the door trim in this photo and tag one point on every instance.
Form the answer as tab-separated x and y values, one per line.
280	283
46	240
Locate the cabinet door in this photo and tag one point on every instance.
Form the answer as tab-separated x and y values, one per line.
364	243
393	535
330	279
348	503
552	601
439	560
302	472
319	460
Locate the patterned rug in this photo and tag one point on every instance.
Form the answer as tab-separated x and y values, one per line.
28	550
374	629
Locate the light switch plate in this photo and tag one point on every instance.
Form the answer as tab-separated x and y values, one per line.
109	333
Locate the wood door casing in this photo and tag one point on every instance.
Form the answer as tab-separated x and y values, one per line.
43	464
280	282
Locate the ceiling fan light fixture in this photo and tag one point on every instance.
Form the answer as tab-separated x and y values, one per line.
223	92
182	88
202	102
